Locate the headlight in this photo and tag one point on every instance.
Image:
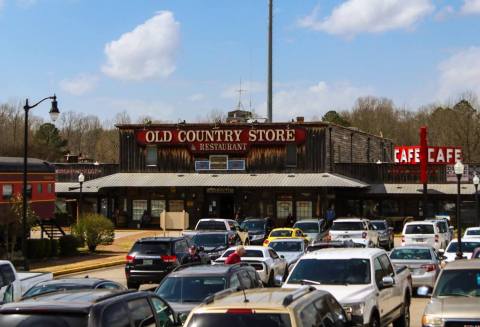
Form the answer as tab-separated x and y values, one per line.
433	321
354	309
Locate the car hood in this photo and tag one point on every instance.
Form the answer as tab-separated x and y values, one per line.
216	248
183	307
344	294
312	236
451	256
454	307
291	256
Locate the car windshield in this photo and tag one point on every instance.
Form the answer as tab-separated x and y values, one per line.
248	253
308	227
332	271
411	254
42	289
44	319
347	225
209	239
281	233
242	319
159	248
467	246
461	282
379	225
419	229
211	225
286	246
190	289
473	232
254	225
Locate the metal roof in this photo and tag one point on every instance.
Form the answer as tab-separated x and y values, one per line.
74	188
224	180
448	189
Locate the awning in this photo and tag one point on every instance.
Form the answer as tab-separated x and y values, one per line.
73	188
446	189
224	180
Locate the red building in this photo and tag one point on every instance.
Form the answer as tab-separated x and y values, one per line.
41	185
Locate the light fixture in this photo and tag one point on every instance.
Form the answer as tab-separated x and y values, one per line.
458	168
379	162
476	180
54	112
81	178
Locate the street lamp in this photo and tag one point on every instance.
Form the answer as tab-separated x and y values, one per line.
476	181
54	113
81	179
459	172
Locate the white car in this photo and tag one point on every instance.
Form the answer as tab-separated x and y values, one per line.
472	232
363	281
356	229
291	249
424	233
270	266
468	245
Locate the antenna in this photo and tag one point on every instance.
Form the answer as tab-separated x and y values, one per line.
240	91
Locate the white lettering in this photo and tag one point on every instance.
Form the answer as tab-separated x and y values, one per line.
270	135
458	155
449	154
290	135
237	132
149	136
440	156
417	155
252	135
280	135
228	136
397	152
431	157
404	156
181	136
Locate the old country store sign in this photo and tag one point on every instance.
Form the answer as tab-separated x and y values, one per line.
221	140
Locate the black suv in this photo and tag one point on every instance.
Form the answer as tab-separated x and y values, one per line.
214	244
152	258
187	286
258	229
89	308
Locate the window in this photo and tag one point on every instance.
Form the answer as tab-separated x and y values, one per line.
151	157
181	247
157	207
7	275
139	207
49	188
246	281
29	190
7	191
116	316
176	205
163	312
234	281
387	266
109	286
304	209
104	207
218	162
284	208
291	160
140	311
39	188
378	272
273	254
310	316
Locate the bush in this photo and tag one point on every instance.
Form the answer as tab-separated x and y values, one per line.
68	245
94	230
42	248
54	248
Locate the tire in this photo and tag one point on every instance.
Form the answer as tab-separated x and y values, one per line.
132	285
271	281
374	320
404	319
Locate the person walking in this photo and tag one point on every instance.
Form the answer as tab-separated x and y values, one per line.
192	256
330	215
290	220
236	256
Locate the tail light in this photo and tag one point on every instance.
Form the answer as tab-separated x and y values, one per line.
403	239
169	258
130	258
328	238
436	238
266	242
428	267
241	311
364	235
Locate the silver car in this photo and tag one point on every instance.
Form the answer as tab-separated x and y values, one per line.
423	262
291	249
456	298
315	229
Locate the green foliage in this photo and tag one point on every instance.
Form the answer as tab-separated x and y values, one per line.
48	143
68	245
94	230
333	117
42	248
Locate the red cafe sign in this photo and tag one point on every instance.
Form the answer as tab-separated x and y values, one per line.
220	140
437	155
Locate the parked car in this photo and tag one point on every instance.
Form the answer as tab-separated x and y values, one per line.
71	284
285	232
304	307
424	233
291	249
358	230
455	298
186	287
14	284
444	228
215	243
334	244
472	232
152	258
314	229
89	308
468	246
219	224
385	234
364	281
258	229
269	265
423	262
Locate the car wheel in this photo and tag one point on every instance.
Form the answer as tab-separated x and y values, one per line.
132	285
374	321
404	319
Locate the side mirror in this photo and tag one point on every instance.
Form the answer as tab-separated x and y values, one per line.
423	291
387	282
282	256
441	252
278	281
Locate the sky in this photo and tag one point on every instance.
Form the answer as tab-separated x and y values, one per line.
181	59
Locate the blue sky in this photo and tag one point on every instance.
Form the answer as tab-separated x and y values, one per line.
182	59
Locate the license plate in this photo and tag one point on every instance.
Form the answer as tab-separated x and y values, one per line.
419	239
148	262
417	271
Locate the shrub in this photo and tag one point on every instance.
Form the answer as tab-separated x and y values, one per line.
42	248
54	248
68	245
94	230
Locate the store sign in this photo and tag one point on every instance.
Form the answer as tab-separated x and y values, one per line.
452	177
220	140
437	155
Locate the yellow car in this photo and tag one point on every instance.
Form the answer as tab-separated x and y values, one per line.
284	233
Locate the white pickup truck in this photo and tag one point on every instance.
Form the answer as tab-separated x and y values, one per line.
358	230
219	224
14	284
363	281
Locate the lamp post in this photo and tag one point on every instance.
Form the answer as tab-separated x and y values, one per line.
81	179
476	181
54	113
459	172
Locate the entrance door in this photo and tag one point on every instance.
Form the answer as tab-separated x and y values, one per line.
220	206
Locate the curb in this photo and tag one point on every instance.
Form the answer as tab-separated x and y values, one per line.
87	268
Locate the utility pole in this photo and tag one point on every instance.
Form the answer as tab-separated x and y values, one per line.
270	36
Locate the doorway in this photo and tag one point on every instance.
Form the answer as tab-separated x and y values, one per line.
220	206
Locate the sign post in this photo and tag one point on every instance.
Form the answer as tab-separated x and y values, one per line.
424	167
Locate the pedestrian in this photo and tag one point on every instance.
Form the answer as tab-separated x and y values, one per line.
145	219
192	256
236	256
330	215
290	220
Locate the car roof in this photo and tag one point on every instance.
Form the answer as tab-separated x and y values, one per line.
467	239
160	239
414	247
217	232
254	219
463	264
472	228
343	253
285	228
250	247
287	239
76	281
424	222
215	219
350	219
309	220
207	270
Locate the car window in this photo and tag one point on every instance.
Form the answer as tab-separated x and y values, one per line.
109	286
339	317
309	316
255	278
234	281
236	225
181	246
377	266
298	233
273	254
140	310
7	274
231	225
211	225
115	315
246	280
386	265
162	311
419	229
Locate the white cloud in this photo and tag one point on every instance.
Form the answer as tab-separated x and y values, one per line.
315	100
80	84
196	97
248	87
471	7
444	13
460	73
146	52
353	17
